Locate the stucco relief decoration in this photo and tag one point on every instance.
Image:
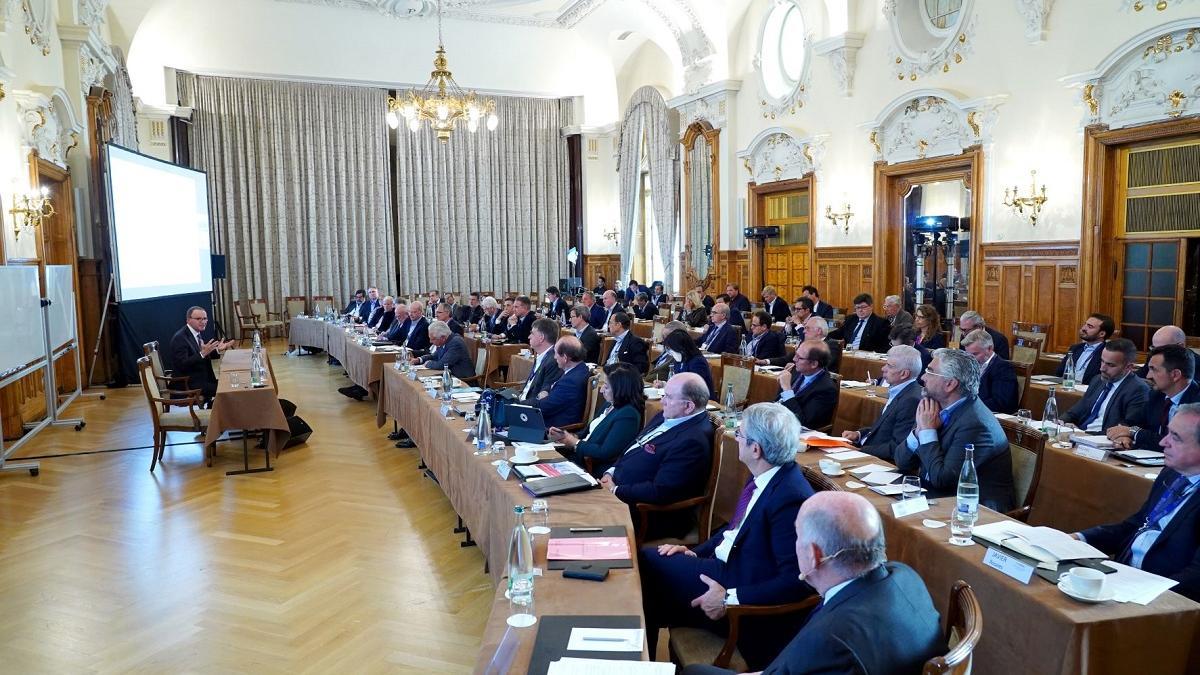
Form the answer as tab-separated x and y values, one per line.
842	53
711	104
47	124
779	154
924	44
933	123
90	12
1154	76
92	68
1034	13
37	15
1143	5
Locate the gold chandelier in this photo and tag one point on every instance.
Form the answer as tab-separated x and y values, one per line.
442	102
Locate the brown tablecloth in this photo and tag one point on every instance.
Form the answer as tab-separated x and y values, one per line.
1076	492
1036	394
363	365
857	410
855	365
246	408
239	359
519	367
485	504
499	354
335	341
306	332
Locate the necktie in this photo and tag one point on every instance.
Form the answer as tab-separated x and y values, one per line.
1096	406
858	334
199	344
742	504
1170	500
798	385
616	348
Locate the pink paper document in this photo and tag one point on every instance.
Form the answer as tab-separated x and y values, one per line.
588	548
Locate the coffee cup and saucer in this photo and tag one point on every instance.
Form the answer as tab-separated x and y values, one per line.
1085	585
525	456
831	467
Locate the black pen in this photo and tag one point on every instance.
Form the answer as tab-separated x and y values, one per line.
587	529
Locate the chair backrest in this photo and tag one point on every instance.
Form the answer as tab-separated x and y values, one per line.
322	304
716	473
660	322
736	371
1025	445
593	396
481	361
964	628
819	481
295	305
258	307
149	383
150	349
245	315
1027	347
1024	371
664	310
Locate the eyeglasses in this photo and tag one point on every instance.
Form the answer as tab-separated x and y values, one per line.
930	371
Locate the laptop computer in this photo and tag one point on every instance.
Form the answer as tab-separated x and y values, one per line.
525	425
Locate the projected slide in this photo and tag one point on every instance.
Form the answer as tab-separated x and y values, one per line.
160	226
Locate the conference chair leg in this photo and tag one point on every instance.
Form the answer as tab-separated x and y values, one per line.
154	453
468	542
460	528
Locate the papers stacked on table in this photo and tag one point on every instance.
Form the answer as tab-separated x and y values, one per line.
1098	441
1044	544
569	665
854	384
1130	584
825	441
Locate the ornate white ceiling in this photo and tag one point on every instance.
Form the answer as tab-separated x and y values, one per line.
540	13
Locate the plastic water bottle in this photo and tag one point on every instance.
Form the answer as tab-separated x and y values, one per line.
447	382
483	431
255	370
520	562
742	348
1050	415
1069	371
966	509
730	408
257	341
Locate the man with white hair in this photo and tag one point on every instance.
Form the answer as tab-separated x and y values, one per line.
611	306
492	322
381	319
752	560
413	332
898	416
997	379
947	420
817	328
972	320
895	313
1171	335
449	349
875	616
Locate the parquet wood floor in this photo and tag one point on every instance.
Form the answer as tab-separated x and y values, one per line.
342	560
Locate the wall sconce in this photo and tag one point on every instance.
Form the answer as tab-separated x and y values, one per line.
1033	202
29	210
611	235
843	217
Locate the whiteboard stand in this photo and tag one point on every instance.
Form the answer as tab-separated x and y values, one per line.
30	431
53	408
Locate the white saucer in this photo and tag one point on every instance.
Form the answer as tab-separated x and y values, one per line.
1105	596
839	472
539	529
513	460
855	485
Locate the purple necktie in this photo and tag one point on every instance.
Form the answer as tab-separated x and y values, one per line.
742	503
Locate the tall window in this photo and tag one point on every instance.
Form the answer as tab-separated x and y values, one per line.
783	51
648	263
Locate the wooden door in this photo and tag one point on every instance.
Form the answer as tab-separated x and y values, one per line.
784	262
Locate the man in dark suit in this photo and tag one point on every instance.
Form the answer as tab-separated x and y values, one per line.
449	349
671	459
521	321
898	416
596	314
642	308
751	560
705	298
815	329
586	334
1163	537
821	309
794	326
631	291
765	345
470	313
383	316
413	332
610	306
601	285
564	401
1085	355
894	312
1115	396
493	319
806	388
864	329
657	296
545	371
355	306
774	305
192	353
1171	335
627	347
947	420
555	306
719	337
1171	385
841	552
445	314
737	302
997	379
368	308
971	320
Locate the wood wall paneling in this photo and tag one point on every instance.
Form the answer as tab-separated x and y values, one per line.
845	271
595	264
1034	282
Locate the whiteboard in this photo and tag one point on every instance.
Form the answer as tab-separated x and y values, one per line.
60	280
21	338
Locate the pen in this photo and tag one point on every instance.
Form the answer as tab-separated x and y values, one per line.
587	529
604	639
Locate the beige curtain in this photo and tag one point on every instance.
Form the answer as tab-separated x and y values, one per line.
648	114
485	211
123	106
298	185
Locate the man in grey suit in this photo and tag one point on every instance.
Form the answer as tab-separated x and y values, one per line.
1115	395
950	417
894	312
449	349
896	421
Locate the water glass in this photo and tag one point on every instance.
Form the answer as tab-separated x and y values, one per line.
1024	416
912	487
520	604
235	380
539	517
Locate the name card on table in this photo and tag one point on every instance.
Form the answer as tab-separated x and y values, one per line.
908	507
1098	454
1009	565
503	468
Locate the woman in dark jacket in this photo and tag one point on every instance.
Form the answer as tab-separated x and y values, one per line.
693	312
617	425
688	358
928	324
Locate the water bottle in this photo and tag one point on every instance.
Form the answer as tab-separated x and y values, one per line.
742	349
730	407
447	382
966	509
483	430
257	341
1069	371
1050	415
520	562
255	370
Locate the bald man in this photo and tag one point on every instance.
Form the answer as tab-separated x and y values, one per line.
817	328
563	403
1171	335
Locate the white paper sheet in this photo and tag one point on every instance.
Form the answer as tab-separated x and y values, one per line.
568	665
606	640
1130	584
871	468
847	455
880	478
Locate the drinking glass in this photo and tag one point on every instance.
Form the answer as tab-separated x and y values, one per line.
912	487
235	381
540	517
520	604
870	386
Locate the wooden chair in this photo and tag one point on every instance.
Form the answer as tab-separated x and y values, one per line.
246	321
964	628
194	419
322	304
819	481
293	306
262	314
162	376
703	505
736	370
589	407
481	368
1024	371
1026	446
1026	348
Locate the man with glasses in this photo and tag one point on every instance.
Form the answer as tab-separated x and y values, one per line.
752	560
765	345
972	320
997	378
882	438
1115	396
821	309
950	417
806	388
1171	385
192	353
719	337
794	326
816	329
863	330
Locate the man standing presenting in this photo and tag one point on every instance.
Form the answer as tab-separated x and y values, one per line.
192	355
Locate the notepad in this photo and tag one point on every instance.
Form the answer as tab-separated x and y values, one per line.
588	548
605	640
880	478
871	468
568	665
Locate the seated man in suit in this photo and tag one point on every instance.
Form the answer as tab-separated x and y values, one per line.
1163	537
383	316
657	296
821	309
493	321
662	366
413	332
521	321
596	314
370	305
627	347
864	329
997	379
1171	335
355	306
947	420
471	313
1085	354
449	349
631	291
842	554
1115	396
898	416
445	313
1171	386
751	560
555	307
670	460
719	337
737	302
545	371
564	401
765	345
895	313
806	388
192	353
817	328
793	327
587	335
705	298
601	285
774	305
971	320
642	308
611	306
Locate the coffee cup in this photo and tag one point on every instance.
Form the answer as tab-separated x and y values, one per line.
830	466
1085	581
526	352
523	455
